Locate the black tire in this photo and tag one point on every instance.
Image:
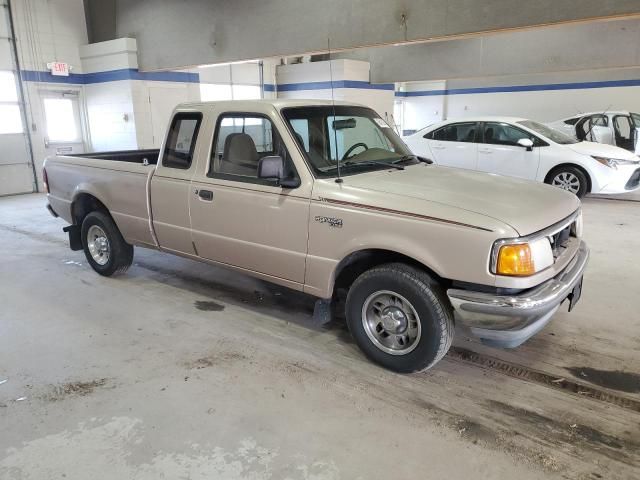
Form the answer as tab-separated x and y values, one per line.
120	253
570	172
434	314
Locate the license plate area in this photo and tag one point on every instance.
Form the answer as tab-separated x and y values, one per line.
575	294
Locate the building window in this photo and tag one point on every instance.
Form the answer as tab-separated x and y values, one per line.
10	118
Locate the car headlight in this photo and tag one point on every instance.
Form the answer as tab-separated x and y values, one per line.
516	258
614	162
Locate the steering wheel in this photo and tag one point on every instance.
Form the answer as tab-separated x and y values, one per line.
352	148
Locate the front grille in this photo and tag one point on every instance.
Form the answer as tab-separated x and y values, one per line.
560	240
634	180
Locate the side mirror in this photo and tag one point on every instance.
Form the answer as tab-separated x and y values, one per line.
526	143
272	168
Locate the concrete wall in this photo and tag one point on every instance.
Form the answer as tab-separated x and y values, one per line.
585	46
175	34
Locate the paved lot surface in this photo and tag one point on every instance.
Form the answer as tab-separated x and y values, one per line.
182	370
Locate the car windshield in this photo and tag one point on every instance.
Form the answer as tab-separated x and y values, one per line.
548	132
636	119
355	137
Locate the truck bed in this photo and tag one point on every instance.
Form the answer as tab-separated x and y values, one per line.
132	156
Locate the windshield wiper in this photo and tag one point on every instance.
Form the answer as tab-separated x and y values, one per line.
406	158
371	163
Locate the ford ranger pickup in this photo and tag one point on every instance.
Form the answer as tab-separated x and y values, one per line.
326	199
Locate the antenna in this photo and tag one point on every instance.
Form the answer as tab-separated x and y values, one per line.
333	106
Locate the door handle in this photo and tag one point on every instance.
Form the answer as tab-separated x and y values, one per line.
486	151
439	147
206	195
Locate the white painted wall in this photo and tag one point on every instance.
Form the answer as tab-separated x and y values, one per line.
543	106
300	73
128	114
47	31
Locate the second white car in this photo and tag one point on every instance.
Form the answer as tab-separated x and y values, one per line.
523	148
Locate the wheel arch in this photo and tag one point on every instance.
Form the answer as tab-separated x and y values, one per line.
547	177
84	203
357	262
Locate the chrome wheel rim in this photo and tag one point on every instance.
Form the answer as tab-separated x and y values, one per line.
567	181
391	322
98	244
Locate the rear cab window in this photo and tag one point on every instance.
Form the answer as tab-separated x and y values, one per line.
181	140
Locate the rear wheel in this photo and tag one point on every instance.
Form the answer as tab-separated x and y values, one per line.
105	248
399	317
569	178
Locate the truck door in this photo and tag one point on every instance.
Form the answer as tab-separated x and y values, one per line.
170	185
241	220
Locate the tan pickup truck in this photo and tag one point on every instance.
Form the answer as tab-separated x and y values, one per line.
326	199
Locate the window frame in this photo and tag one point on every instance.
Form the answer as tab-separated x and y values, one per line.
194	141
431	134
537	141
288	160
616	128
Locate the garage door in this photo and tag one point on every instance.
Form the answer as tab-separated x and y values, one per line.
16	172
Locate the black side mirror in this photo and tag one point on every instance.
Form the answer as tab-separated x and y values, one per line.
272	168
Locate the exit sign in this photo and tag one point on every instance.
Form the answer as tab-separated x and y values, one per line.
59	69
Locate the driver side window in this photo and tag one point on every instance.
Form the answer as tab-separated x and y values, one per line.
240	142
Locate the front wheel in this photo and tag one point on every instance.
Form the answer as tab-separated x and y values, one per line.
105	248
571	179
399	318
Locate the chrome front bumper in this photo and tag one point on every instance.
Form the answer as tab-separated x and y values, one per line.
509	320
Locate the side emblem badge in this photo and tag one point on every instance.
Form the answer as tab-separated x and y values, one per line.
332	222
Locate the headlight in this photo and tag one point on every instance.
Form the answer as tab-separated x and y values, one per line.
519	259
614	162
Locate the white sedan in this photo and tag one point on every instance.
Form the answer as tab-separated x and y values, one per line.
614	128
522	148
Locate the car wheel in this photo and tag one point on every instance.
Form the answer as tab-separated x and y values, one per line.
571	179
105	249
399	317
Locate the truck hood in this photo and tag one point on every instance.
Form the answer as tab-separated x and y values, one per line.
525	206
602	150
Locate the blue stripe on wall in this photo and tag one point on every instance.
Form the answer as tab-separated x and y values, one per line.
523	88
110	76
292	87
269	87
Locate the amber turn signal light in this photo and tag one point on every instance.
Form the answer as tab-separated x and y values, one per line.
515	260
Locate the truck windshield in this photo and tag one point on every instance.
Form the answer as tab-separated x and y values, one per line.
356	137
552	134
